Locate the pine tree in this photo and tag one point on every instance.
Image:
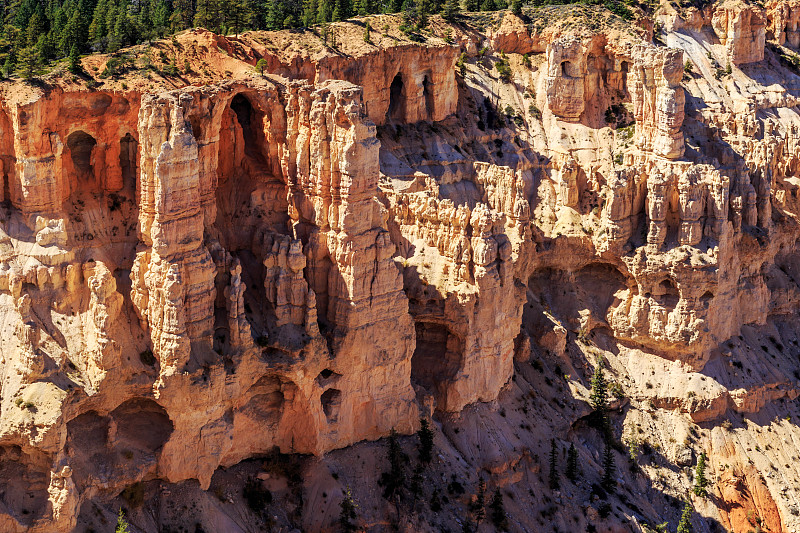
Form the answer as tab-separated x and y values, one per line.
368	40
410	13
29	62
275	15
182	15
450	10
700	482
310	13
393	480
394	6
341	10
609	469
423	12
425	433
238	15
261	64
499	518
572	463
554	478
75	61
206	15
324	11
478	507
599	394
347	513
516	7
685	525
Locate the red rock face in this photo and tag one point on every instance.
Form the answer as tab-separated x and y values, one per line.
196	275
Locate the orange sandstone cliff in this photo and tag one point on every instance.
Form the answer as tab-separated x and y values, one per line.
200	271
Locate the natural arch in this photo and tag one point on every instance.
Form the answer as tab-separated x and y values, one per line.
565	68
438	356
141	424
396	99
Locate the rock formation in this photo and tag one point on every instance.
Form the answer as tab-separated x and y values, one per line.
197	273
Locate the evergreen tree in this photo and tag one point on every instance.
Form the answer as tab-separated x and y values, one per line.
554	477
599	394
450	9
609	469
310	8
341	10
393	480
516	7
424	10
499	518
324	11
75	60
685	525
238	15
8	65
478	506
410	13
206	15
29	62
425	433
182	15
488	5
700	482
275	15
347	513
572	463
472	5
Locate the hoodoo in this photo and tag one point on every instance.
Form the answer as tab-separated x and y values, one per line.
523	270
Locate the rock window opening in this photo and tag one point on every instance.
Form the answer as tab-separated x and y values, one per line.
128	148
81	145
396	103
438	355
331	400
141	425
625	66
427	93
565	66
246	116
669	293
